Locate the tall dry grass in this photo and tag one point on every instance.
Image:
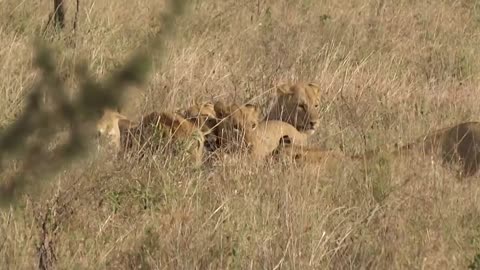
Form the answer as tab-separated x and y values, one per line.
390	71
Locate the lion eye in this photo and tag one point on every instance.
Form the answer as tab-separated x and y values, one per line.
254	126
316	105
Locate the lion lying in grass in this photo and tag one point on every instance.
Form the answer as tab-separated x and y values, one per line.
457	144
294	114
295	104
202	115
240	129
292	118
155	131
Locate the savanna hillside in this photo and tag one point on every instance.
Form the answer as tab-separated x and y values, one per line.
390	71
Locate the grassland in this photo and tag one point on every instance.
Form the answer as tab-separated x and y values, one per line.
390	71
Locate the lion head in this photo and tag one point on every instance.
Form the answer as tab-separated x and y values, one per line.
297	104
202	115
236	121
110	126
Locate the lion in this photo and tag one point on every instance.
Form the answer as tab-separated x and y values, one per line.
240	129
234	121
203	115
170	131
457	144
297	104
155	130
110	125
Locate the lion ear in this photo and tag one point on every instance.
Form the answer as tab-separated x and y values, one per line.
315	87
283	89
208	104
221	109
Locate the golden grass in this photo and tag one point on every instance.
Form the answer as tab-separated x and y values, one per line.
390	70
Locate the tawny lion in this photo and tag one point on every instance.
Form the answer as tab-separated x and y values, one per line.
297	104
240	129
110	125
457	144
151	131
201	114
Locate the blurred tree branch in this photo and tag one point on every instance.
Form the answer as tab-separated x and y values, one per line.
59	13
27	140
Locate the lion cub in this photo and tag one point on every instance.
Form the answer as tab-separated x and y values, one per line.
154	130
297	104
202	115
241	129
110	125
167	131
